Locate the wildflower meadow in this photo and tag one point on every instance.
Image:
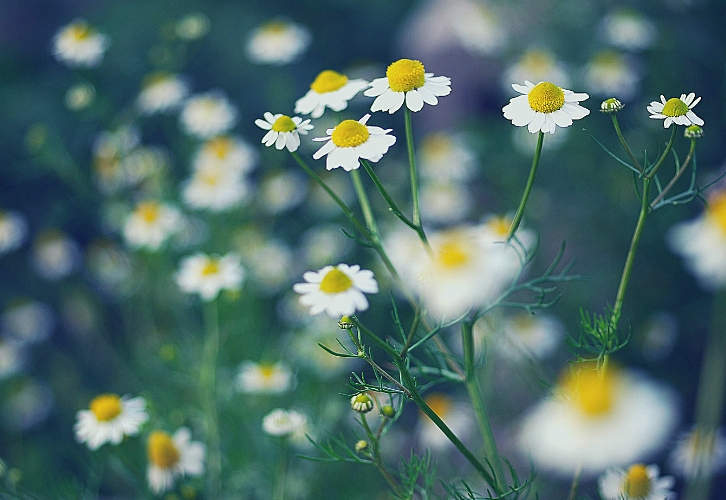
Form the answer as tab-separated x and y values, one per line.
394	249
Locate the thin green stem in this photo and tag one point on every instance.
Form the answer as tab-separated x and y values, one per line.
530	181
627	149
378	459
675	178
279	491
412	167
652	171
208	387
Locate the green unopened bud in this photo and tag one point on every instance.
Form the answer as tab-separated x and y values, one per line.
362	403
345	323
361	446
611	105
388	411
693	132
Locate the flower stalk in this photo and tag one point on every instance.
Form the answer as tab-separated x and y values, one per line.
530	181
208	388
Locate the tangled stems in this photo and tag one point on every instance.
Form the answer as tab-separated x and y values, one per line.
375	455
208	388
530	181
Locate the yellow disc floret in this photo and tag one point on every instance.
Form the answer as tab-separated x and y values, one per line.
405	75
328	81
336	281
675	107
546	97
590	390
453	254
162	451
149	211
439	403
219	146
284	124
349	134
637	482
106	407
717	210
80	31
211	267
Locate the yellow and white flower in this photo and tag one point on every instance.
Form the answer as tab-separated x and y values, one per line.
78	45
352	140
208	115
13	231
285	423
283	131
151	224
628	29
329	89
536	65
638	482
208	275
227	153
171	457
278	42
406	80
544	106
55	254
161	92
214	189
109	418
699	452
609	73
338	290
678	110
27	321
264	378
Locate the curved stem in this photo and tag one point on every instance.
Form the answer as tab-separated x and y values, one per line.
675	178
651	173
530	181
208	386
627	149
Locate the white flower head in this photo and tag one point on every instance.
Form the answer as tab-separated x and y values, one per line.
478	28
329	89
108	419
285	423
337	290
699	452
278	42
406	80
151	224
208	115
13	231
55	254
27	321
79	96
609	73
161	92
629	30
536	65
228	153
638	482
443	156
209	275
214	189
544	106
78	45
527	336
171	457
283	131
264	378
678	110
445	202
352	140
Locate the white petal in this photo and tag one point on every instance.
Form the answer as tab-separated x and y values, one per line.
414	102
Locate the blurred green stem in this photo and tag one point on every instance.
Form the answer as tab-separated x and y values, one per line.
279	492
530	181
378	459
208	387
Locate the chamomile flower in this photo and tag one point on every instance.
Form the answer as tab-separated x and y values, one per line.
278	42
209	275
228	153
161	92
406	80
283	131
638	482
79	45
352	140
55	254
544	106
13	231
678	110
208	115
285	423
536	65
79	96
629	30
171	457
214	189
699	452
336	290
264	378
109	418
151	224
329	89
610	73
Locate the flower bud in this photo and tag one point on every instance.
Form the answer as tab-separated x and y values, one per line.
361	446
345	323
388	411
361	403
611	105
693	132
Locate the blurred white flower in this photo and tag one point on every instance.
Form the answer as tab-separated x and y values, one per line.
445	157
161	92
281	191
628	30
445	202
54	254
638	482
12	358
406	81
214	189
699	452
525	335
171	457
27	321
110	267
285	423
151	224
13	231
283	131
209	275
544	107
227	153
477	27
329	89
108	419
80	96
192	26
79	45
208	115
456	414
338	290
264	378
536	65
610	74
350	141
321	244
278	42
28	405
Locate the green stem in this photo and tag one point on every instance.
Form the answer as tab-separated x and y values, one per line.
412	167
651	173
530	181
208	386
279	492
627	149
675	178
378	459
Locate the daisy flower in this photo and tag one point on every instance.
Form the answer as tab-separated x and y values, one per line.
27	321
638	482
329	89
678	110
278	42
78	45
79	96
226	153
699	452
283	131
264	378
171	457
609	73
351	140
282	423
214	189
629	30
108	419
336	290
208	115
55	255
161	92
407	81
151	224
13	231
209	275
544	106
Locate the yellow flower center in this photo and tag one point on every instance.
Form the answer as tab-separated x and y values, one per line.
349	134
328	81
106	407
675	107
80	32
274	27
637	482
211	267
537	62
453	254
405	75
284	124
149	211
439	403
546	97
609	59
267	370
437	146
162	451
500	225
155	78
590	390
716	211
219	146
209	178
336	281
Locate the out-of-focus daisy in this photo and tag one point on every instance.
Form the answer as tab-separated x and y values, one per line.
544	106
214	189
109	418
285	423
171	457
595	420
54	254
629	30
208	115
609	73
278	42
678	110
27	405
305	347
638	482
192	26
699	452
455	414
264	378
337	290
271	263
13	231
352	140
281	190
110	268
702	243
79	96
329	89
79	45
446	157
526	335
536	65
226	153
208	275
151	224
27	321
283	131
12	358
478	28
406	80
445	202
321	244
161	92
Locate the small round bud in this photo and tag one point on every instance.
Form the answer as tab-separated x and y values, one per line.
361	446
693	132
362	403
345	323
611	105
388	411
